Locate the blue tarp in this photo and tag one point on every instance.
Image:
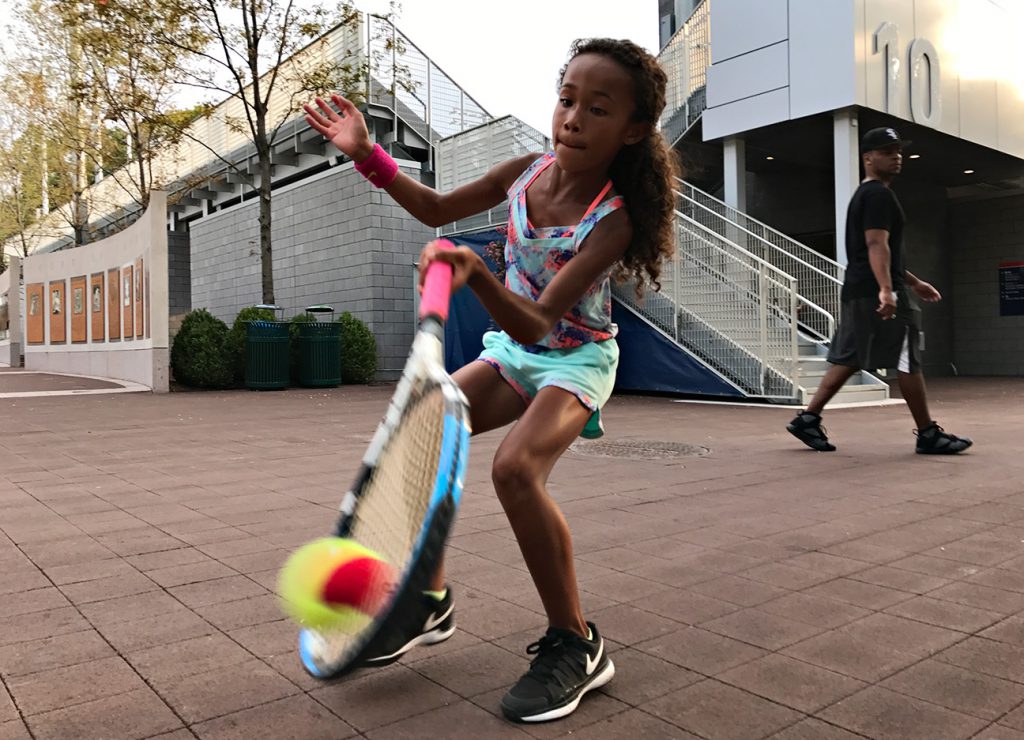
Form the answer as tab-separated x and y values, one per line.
648	361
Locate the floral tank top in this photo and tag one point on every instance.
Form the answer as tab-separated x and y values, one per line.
533	256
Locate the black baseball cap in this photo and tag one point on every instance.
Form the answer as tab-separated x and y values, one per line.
880	138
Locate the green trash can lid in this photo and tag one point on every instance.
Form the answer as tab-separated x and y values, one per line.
319	309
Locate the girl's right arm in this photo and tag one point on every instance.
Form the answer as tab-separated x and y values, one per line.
349	134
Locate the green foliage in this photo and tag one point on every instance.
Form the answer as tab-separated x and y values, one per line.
293	344
200	355
358	350
237	334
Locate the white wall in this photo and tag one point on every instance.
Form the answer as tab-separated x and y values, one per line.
777	60
141	360
10	293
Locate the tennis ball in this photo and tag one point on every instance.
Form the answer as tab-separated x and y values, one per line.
334	583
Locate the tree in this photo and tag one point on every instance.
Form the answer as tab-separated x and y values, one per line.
254	45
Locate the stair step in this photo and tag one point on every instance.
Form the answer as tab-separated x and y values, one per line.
856	393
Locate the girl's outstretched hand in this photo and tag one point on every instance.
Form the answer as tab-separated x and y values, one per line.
346	131
464	261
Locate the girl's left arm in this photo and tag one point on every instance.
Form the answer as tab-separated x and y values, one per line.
525	320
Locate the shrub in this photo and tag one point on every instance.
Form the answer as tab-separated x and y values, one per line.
293	344
199	356
237	336
358	350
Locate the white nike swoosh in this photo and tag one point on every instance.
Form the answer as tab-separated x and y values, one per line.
434	620
592	664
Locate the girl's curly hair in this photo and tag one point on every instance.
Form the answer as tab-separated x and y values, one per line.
642	173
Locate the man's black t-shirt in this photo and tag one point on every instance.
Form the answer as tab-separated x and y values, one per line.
873	206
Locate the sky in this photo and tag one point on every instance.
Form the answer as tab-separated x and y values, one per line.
507	53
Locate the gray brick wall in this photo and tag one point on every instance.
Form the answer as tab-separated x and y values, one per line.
983	234
179	272
336	240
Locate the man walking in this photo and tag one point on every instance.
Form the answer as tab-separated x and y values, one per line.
879	325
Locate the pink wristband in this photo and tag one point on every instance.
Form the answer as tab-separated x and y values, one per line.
379	168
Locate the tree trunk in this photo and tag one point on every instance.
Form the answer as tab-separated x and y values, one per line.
266	253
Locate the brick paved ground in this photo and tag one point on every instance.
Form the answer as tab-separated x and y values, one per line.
760	591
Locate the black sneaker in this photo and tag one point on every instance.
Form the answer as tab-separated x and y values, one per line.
566	667
807	427
933	440
437	625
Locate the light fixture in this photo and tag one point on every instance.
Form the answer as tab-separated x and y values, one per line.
968	172
915	156
770	158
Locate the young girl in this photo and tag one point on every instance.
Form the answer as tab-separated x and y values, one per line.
601	202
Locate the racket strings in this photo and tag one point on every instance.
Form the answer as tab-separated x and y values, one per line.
396	498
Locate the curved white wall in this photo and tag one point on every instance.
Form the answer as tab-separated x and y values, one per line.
135	354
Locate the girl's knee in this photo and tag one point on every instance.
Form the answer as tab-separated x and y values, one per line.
514	478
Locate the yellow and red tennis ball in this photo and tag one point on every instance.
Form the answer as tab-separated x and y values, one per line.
335	583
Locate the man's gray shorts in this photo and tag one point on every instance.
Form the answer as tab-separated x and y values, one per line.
866	341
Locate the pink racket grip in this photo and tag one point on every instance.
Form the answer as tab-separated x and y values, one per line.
437	286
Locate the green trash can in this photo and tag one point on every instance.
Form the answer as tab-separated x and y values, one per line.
320	351
266	354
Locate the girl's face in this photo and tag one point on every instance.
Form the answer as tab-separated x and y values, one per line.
593	118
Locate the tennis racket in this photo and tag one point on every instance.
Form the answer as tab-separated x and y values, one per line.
404	498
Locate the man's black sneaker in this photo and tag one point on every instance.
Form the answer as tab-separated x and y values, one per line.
933	440
437	625
566	667
807	427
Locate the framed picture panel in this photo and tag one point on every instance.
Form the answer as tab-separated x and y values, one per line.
79	327
126	302
96	307
58	312
114	303
140	322
35	327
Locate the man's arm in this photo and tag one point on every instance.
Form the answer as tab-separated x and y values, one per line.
880	257
924	290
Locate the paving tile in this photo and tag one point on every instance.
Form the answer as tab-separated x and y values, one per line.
886	715
294	716
685	606
178	660
494	618
814	729
217	591
842	652
761	628
786	576
700	650
231	615
473	670
139	634
1006	579
981	597
267	639
461	720
14	729
712	709
180	575
1014	719
792	683
640	677
987	656
1009	630
367	699
223	690
633	723
957	688
21	658
36	600
736	590
8	712
629	625
39	625
62	575
940	567
999	732
858	593
136	714
69	685
102	589
814	610
944	614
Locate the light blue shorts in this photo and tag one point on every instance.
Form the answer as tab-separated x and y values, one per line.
587	372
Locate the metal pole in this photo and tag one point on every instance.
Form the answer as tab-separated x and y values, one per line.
676	279
763	318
